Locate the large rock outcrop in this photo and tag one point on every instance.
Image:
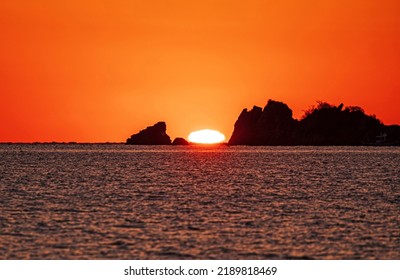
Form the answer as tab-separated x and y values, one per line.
152	135
272	126
324	125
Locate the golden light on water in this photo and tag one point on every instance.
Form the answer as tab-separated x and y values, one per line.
206	136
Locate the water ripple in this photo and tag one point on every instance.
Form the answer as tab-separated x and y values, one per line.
127	202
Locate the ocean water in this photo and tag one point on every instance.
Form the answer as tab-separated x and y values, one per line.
163	202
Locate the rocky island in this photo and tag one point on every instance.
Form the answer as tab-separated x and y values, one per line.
322	125
155	135
152	135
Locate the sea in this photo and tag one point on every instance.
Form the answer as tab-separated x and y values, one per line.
115	201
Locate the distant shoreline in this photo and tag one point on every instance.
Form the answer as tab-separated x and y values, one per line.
63	143
190	145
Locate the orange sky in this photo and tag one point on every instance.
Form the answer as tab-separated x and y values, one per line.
96	70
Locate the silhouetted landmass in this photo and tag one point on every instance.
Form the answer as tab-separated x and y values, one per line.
180	141
322	125
152	135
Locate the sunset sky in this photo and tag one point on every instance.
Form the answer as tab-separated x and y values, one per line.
96	70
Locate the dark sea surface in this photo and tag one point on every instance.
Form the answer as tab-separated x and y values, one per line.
115	201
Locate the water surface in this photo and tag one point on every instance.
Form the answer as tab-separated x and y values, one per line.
163	202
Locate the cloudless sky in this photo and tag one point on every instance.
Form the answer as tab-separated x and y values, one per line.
97	70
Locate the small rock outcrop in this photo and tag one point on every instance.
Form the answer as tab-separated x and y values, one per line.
180	141
152	135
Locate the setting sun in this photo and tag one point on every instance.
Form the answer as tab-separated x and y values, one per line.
206	136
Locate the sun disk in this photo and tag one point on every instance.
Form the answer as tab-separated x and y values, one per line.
206	136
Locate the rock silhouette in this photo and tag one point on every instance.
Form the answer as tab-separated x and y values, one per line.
180	141
271	126
324	125
152	135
